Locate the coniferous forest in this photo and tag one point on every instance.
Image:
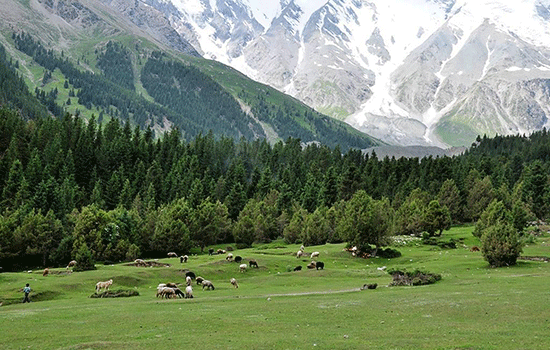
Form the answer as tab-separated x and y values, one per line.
69	186
112	190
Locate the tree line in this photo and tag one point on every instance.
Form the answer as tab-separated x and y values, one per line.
73	187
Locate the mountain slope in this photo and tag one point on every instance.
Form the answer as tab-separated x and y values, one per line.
123	59
415	72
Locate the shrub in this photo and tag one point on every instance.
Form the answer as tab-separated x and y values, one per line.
84	259
412	278
501	245
389	253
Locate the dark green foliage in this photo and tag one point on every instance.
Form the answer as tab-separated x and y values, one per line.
191	93
116	64
501	245
412	278
15	93
119	293
84	259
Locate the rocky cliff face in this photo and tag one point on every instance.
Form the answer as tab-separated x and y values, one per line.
410	72
436	72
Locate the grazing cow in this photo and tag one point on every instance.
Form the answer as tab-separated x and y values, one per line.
190	274
242	267
319	265
72	263
314	255
172	255
46	272
207	284
210	251
188	292
234	283
183	259
253	263
238	259
104	285
298	268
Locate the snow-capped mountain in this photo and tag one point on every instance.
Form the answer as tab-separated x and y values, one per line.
434	72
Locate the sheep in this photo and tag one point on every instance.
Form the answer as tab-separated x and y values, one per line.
72	263
199	280
242	267
311	265
190	274
207	284
319	265
253	263
298	268
221	251
171	285
238	259
229	257
299	254
210	251
172	255
188	280
168	293
160	288
188	292
314	255
139	262
234	283
104	285
179	293
474	249
46	272
183	259
302	248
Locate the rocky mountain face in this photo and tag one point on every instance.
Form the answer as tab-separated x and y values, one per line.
436	72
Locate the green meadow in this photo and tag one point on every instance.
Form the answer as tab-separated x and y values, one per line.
471	307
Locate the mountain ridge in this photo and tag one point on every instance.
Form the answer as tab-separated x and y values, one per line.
399	71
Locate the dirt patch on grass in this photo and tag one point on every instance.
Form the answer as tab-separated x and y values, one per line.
148	264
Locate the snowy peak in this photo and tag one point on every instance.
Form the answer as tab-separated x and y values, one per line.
433	72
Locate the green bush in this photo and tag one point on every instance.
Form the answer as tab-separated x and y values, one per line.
501	245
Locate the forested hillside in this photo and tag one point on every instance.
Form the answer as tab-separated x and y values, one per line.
151	88
70	186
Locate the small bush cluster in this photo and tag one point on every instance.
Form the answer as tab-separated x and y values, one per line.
388	253
450	244
412	278
121	293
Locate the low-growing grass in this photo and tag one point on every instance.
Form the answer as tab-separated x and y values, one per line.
472	307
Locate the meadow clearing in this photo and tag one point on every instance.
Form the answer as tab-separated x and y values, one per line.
472	307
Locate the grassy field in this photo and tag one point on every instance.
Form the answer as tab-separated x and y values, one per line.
472	307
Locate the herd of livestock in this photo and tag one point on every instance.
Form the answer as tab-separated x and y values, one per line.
172	290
